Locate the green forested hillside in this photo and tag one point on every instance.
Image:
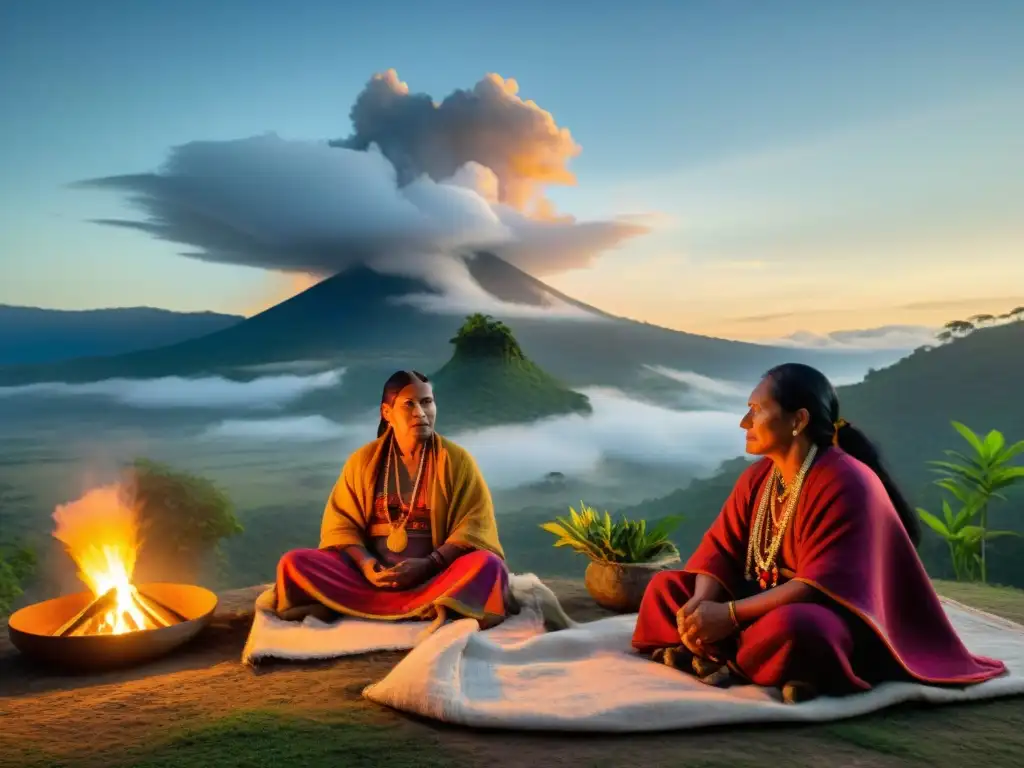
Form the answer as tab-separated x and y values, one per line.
489	380
907	408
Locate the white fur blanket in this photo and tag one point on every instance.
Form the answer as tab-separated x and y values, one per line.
586	677
273	638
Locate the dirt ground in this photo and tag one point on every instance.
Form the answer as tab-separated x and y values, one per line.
88	720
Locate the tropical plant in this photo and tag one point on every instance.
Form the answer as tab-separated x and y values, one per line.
963	538
17	563
975	480
603	540
183	517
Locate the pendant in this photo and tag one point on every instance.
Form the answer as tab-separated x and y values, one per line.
398	540
768	577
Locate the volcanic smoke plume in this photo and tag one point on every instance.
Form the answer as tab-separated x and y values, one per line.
489	125
414	179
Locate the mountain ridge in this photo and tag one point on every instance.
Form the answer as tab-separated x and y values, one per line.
33	335
362	316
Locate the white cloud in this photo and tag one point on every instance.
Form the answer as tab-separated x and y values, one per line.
703	391
307	207
887	337
267	392
291	429
619	428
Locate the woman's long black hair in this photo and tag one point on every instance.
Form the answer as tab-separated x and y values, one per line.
398	381
795	386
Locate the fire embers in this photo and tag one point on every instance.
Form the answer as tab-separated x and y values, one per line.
117	611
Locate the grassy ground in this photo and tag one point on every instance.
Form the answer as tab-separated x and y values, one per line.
203	709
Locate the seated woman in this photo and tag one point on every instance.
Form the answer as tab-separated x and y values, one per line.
808	580
408	531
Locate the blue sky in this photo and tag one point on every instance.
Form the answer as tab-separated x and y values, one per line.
823	163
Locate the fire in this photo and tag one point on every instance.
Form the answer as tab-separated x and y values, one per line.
100	533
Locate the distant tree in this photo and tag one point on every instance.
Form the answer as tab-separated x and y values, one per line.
1017	314
17	564
183	517
945	335
984	319
959	328
483	336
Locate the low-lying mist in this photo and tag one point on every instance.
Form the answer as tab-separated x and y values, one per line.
207	392
516	454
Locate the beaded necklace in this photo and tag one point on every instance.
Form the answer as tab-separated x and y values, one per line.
398	539
767	531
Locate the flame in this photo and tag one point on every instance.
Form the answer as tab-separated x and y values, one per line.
100	533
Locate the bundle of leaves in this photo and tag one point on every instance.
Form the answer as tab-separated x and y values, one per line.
605	540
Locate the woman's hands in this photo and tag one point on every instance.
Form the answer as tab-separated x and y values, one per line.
704	624
405	575
703	620
412	572
377	574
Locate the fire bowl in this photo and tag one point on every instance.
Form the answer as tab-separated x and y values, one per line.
31	630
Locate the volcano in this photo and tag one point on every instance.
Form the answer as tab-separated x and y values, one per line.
372	323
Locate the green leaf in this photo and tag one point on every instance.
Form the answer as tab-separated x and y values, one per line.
934	523
968	434
993	443
975	534
966	461
966	513
963	493
947	513
556	529
1009	452
1009	474
956	470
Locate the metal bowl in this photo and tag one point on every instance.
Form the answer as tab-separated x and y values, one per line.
31	630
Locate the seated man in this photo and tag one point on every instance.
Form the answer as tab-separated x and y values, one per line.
408	532
808	580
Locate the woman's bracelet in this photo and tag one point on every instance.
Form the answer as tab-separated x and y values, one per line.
732	613
438	561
